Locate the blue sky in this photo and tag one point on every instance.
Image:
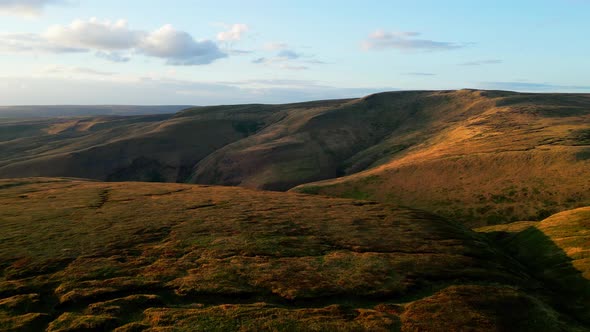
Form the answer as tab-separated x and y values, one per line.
226	52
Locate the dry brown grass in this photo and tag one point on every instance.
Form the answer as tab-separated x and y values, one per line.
478	157
481	308
91	255
484	159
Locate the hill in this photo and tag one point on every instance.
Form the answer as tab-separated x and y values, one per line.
78	255
479	157
160	148
46	111
556	250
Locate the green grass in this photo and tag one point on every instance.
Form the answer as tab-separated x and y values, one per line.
356	193
310	190
583	155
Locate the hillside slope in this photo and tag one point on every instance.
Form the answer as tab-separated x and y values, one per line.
479	157
19	112
556	250
145	148
80	255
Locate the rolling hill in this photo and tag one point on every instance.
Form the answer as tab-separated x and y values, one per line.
484	157
478	157
146	148
79	255
43	111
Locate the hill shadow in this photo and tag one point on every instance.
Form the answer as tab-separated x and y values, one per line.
568	289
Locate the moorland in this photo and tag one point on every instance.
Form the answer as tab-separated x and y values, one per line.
399	211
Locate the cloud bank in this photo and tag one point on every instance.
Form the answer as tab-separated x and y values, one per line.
286	58
482	62
113	41
234	33
419	74
533	87
26	8
94	34
102	87
179	47
405	41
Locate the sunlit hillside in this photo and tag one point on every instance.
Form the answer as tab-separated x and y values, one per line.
479	157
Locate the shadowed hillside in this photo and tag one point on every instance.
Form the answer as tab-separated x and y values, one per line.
17	112
89	255
556	250
479	157
161	148
145	148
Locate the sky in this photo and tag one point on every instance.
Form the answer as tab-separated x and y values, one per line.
203	52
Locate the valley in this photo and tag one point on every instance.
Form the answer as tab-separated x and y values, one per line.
479	157
399	211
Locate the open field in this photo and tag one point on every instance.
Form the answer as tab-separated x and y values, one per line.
130	256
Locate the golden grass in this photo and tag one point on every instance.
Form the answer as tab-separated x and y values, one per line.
478	157
483	159
90	255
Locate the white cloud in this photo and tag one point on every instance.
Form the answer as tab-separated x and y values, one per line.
113	56
419	74
94	34
58	69
161	91
275	46
27	42
380	40
481	62
110	40
179	48
238	52
532	86
289	54
289	59
234	33
293	67
25	8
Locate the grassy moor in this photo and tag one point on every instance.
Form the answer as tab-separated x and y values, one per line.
294	166
477	157
81	255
